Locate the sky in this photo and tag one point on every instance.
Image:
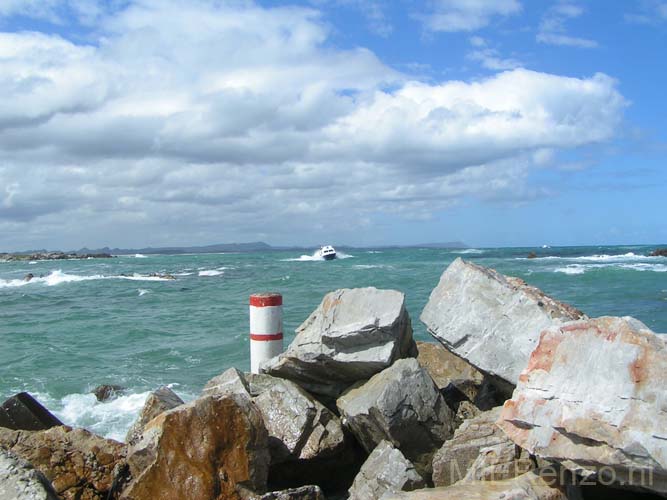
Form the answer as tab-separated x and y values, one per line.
133	123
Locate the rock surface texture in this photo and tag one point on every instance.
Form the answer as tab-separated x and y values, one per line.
20	481
529	486
402	405
611	420
79	464
202	450
352	335
479	450
491	320
385	470
157	402
455	377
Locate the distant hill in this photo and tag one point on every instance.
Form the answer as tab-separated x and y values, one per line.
256	246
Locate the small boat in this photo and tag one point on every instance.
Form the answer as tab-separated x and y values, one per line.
327	252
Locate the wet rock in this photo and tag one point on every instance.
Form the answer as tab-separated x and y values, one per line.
157	402
610	422
534	485
385	470
107	392
352	335
79	464
457	379
659	252
201	450
402	405
532	255
490	320
479	438
23	412
306	440
19	480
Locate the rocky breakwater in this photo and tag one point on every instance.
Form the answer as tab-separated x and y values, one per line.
52	256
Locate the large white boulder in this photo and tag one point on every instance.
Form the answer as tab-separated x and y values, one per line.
593	399
351	336
491	320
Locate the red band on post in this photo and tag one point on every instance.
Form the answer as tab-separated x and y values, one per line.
266	338
266	300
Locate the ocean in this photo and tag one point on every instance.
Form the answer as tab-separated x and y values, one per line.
82	323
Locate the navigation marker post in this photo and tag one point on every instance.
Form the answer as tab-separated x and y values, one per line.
266	328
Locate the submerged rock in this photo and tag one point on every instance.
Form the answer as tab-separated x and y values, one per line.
20	481
202	450
402	405
352	335
479	450
611	421
157	402
492	321
385	470
108	391
23	412
79	464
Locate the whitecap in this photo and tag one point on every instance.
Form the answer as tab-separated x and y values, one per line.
469	251
572	269
143	291
211	272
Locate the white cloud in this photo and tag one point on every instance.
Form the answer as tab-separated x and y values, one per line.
466	15
648	12
233	122
552	29
490	57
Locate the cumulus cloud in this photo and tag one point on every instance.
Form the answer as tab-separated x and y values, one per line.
553	31
489	57
466	15
212	122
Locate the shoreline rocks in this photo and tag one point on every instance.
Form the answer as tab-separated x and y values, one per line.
23	412
19	480
491	320
9	257
352	335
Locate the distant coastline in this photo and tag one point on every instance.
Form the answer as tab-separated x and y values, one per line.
258	246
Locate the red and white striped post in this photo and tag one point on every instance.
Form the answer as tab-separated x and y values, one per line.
266	328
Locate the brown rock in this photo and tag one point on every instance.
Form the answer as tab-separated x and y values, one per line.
106	392
201	450
457	379
79	464
157	402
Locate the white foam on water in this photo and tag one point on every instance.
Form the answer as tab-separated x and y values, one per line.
306	258
139	256
139	277
211	272
374	251
58	277
341	255
572	269
469	251
582	268
371	266
110	419
626	257
143	291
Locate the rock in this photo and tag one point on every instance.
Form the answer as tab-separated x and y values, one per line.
534	485
23	412
201	450
492	321
457	379
402	405
385	470
532	255
465	411
351	336
611	421
659	252
306	440
20	481
79	464
310	492
475	438
28	277
106	392
157	402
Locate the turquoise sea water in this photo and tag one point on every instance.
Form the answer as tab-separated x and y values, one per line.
89	322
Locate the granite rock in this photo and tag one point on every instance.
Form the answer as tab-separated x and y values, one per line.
19	480
352	335
157	402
